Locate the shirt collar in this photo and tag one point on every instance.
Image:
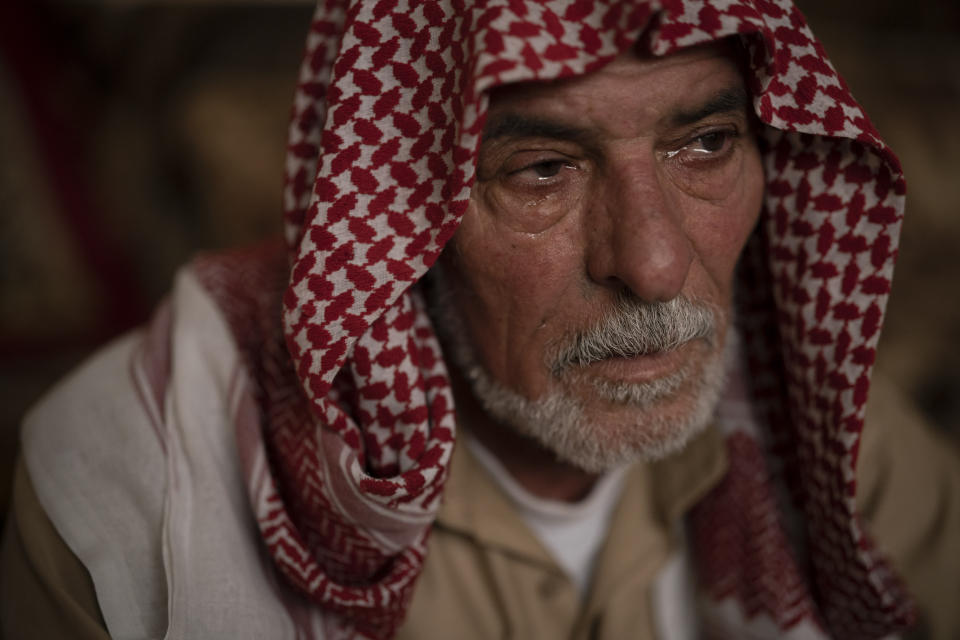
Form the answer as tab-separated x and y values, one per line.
474	505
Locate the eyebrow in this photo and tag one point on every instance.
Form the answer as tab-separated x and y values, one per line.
728	100
515	125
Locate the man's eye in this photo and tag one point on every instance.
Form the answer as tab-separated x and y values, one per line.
711	142
706	146
546	169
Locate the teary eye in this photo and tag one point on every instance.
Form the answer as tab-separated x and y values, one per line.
704	163
548	168
713	141
705	146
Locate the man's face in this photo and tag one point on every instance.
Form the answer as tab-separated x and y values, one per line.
595	197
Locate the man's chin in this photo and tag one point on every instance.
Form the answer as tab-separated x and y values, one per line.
618	437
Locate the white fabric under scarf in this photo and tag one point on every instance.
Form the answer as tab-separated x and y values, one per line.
572	532
156	508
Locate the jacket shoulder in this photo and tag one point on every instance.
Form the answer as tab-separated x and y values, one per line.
908	493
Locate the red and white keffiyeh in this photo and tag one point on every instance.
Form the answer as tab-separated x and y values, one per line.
358	412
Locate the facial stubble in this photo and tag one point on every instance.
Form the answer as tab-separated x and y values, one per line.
638	420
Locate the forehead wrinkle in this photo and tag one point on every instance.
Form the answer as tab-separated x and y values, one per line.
514	125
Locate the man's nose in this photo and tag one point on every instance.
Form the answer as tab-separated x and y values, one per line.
637	237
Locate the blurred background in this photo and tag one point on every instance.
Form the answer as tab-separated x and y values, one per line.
135	133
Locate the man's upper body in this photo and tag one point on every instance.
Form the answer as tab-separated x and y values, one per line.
661	238
488	574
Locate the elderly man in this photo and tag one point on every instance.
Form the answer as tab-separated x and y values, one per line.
658	400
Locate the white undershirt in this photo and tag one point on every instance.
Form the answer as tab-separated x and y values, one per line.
572	532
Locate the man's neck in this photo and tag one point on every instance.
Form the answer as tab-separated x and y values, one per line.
536	469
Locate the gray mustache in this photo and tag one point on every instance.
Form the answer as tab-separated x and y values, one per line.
635	327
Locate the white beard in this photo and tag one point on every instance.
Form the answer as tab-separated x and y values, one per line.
558	420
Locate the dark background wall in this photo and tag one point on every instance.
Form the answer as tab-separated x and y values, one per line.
133	134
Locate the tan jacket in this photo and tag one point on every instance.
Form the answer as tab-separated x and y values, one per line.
487	576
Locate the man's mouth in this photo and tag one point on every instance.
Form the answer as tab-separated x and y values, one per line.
637	340
638	367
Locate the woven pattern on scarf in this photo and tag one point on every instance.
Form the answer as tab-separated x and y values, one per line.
382	149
